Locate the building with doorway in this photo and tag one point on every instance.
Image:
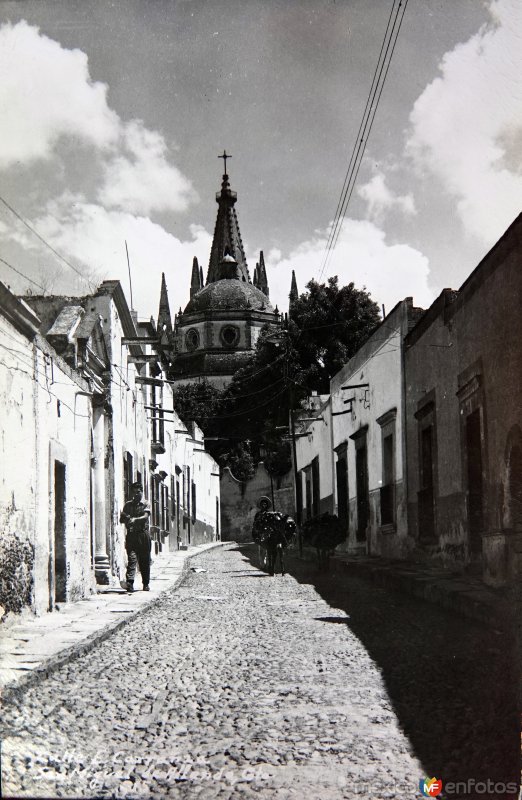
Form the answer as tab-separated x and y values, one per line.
84	397
368	402
46	473
313	447
463	364
350	445
425	455
216	333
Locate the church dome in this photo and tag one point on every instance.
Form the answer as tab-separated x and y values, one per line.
229	295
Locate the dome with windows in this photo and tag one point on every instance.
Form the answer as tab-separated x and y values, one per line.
229	295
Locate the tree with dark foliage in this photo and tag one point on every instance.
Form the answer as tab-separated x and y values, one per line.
333	322
200	402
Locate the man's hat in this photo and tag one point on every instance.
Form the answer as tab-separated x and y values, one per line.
137	485
264	499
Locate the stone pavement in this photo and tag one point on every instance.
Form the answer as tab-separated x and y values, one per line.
238	685
31	647
235	685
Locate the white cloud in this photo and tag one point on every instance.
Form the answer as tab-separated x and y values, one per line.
94	237
467	122
46	92
381	199
362	255
145	182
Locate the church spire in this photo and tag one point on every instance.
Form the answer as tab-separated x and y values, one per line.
294	294
164	319
196	282
262	280
227	238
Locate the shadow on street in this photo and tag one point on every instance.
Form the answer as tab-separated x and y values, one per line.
451	681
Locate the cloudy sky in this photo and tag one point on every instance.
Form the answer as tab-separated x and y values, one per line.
113	114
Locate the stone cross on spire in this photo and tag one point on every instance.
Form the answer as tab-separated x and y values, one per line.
224	157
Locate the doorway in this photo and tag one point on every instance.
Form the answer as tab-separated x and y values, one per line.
60	561
363	497
426	493
475	480
341	473
515	487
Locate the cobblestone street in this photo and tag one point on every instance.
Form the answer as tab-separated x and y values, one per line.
243	685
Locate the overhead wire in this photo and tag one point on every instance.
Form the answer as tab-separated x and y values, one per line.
373	112
41	238
357	139
27	278
46	388
383	63
248	410
372	102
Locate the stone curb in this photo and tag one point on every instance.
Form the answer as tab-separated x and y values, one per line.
440	590
24	682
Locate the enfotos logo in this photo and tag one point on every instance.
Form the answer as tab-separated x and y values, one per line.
430	787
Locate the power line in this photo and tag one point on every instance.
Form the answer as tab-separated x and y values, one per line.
21	273
234	397
359	144
339	202
248	410
372	117
51	394
374	96
38	236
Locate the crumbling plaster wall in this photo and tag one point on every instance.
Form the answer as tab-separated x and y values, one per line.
44	417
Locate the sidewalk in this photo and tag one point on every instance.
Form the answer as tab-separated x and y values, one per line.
457	591
34	646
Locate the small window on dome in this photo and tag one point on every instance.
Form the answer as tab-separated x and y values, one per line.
192	339
230	335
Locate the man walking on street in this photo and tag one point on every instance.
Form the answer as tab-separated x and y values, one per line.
135	516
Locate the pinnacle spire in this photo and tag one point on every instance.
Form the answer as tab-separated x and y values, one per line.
294	294
262	280
196	282
164	318
227	238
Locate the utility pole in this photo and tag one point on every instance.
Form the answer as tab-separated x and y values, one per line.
283	336
292	434
296	473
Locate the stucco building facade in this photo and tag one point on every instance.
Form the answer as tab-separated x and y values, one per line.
426	429
463	365
351	462
84	397
46	475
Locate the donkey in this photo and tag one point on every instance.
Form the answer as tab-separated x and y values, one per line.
324	533
282	530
